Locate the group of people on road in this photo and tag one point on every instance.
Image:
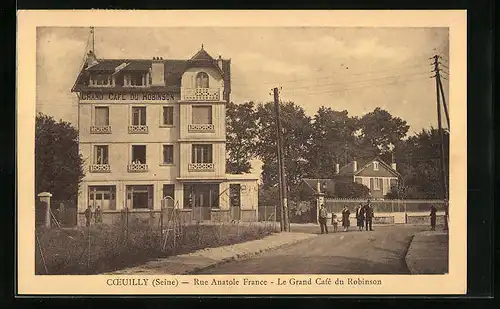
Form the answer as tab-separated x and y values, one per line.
364	218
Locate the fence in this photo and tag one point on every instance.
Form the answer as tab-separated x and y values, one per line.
385	206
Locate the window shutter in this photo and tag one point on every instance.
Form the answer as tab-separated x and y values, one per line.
101	116
202	115
371	183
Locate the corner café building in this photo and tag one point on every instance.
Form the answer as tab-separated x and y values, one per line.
155	130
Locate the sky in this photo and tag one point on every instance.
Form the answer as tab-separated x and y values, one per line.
353	69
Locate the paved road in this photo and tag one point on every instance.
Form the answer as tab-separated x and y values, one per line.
381	251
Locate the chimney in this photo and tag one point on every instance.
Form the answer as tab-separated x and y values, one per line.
91	59
318	187
158	72
393	165
219	62
337	168
355	166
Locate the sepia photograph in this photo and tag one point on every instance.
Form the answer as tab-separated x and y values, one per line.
213	156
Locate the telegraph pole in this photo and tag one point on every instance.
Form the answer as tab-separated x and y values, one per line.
440	129
281	165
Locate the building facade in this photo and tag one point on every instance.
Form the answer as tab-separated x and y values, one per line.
375	174
154	130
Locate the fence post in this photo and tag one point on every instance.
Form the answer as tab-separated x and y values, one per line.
161	221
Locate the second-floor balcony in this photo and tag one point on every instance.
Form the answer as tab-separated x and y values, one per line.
201	128
201	94
137	168
100	129
201	167
100	168
138	129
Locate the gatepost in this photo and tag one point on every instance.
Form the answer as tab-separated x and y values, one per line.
320	200
45	197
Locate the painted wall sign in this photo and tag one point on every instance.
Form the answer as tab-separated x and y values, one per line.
116	96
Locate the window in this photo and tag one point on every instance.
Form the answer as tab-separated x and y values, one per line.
138	116
202	80
102	196
201	154
168	154
169	190
168	115
101	116
137	79
201	195
101	154
234	191
140	197
375	166
377	183
139	154
101	79
202	115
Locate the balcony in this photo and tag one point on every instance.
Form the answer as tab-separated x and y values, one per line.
201	94
201	128
201	167
137	168
138	129
100	129
100	168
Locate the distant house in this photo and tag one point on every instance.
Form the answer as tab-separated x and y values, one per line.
375	174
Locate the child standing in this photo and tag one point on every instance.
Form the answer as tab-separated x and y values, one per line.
334	222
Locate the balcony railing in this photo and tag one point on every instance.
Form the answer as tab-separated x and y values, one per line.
200	94
137	168
138	129
100	129
201	128
200	167
100	168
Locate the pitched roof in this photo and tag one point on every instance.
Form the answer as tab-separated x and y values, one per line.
173	70
202	55
348	169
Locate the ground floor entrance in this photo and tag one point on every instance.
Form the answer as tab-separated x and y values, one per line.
201	198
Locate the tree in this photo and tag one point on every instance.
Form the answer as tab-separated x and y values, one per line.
378	131
296	127
418	160
58	164
332	131
241	136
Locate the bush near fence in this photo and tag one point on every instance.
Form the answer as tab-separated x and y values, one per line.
109	247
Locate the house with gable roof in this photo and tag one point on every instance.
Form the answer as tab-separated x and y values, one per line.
375	174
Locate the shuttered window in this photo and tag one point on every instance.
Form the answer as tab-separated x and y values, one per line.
202	114
101	117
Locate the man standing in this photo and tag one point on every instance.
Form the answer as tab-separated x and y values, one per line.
368	216
323	214
433	218
88	216
98	214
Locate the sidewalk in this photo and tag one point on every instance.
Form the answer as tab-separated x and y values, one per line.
205	258
428	253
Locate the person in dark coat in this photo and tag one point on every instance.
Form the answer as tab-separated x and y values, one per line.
323	214
433	218
368	216
345	218
88	216
360	217
98	215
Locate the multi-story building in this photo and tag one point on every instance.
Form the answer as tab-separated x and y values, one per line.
155	129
